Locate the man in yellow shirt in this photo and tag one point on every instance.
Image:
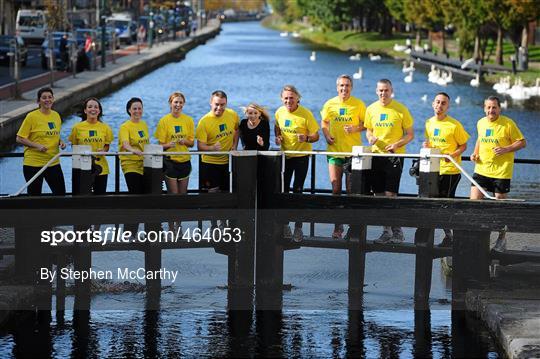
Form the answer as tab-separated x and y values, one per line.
498	139
389	128
448	135
295	129
342	121
217	131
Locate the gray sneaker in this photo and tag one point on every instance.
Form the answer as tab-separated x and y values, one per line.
384	238
287	234
500	245
397	237
298	235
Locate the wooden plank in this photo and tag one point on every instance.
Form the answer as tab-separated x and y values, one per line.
410	212
423	240
370	246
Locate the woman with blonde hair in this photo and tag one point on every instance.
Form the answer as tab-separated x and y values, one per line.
176	133
255	129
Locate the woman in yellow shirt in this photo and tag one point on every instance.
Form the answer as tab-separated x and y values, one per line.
176	132
132	137
40	134
93	132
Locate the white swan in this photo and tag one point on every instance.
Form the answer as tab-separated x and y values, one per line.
409	68
356	57
374	57
295	34
476	81
409	78
358	75
504	104
399	48
424	98
418	48
313	56
458	100
284	34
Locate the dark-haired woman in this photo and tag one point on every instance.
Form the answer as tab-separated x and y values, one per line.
132	137
93	132
40	134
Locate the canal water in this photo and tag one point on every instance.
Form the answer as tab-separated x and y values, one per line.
252	63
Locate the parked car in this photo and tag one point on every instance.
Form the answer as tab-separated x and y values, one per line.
56	36
7	45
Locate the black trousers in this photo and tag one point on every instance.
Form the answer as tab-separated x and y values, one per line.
52	175
299	167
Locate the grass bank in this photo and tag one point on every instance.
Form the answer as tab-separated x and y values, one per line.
373	42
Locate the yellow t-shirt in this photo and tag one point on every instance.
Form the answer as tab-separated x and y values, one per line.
45	130
447	135
96	135
388	123
212	129
501	132
170	128
137	135
291	124
338	114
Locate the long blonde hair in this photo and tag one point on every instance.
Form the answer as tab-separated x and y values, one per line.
264	113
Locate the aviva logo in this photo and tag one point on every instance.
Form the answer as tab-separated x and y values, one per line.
92	133
177	129
342	111
141	134
288	123
222	127
436	132
489	132
52	125
383	117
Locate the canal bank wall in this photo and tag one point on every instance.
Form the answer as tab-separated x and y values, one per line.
70	91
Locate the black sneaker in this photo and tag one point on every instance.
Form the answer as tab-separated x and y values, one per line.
445	243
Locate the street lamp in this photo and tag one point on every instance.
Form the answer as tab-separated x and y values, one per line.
151	30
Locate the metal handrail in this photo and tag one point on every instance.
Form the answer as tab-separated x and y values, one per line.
91	153
402	155
282	153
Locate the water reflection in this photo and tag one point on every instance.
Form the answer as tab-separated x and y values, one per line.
150	334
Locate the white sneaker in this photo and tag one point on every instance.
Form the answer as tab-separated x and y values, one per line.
384	238
298	235
287	234
397	237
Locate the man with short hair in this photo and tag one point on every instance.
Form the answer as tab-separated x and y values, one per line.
342	121
217	131
448	135
498	139
389	128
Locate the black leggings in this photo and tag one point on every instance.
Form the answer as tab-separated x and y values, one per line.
134	182
52	175
135	185
298	166
100	184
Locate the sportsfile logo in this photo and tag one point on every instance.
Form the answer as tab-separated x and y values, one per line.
177	129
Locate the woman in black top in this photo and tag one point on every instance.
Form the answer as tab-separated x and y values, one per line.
255	130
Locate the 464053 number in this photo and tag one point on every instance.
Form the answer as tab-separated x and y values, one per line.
216	235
